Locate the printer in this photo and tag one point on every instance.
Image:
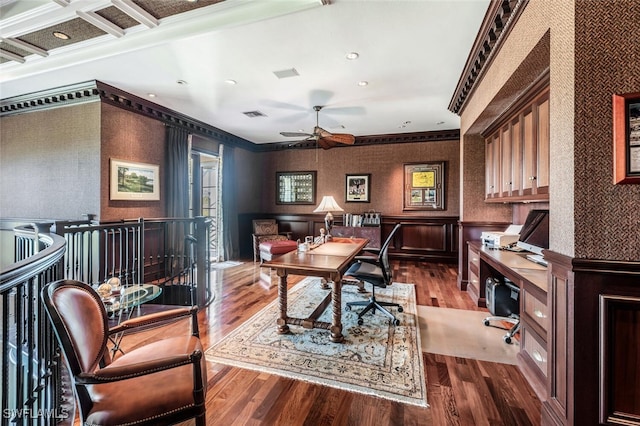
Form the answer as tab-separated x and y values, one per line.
498	239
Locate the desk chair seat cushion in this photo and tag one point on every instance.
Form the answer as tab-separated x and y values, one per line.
123	401
367	272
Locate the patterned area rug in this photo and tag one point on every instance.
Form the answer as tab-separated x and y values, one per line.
375	358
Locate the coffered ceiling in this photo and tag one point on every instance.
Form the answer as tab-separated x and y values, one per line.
253	68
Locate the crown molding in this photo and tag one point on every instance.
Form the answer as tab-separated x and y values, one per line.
94	91
500	18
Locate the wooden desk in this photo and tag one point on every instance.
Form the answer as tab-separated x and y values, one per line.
328	261
535	318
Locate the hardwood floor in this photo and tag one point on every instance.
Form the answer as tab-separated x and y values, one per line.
460	391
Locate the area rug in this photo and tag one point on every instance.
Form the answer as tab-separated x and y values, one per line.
375	358
462	333
225	264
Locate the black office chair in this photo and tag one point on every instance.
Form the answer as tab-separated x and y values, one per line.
374	270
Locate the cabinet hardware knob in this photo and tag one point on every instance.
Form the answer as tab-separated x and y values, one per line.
537	356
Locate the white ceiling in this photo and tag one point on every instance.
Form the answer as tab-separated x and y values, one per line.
412	54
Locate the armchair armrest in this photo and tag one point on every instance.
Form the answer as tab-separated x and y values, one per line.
129	371
158	319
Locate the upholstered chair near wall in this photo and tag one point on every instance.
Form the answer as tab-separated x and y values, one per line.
159	383
266	230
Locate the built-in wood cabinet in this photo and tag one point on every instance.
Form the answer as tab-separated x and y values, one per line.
517	154
531	279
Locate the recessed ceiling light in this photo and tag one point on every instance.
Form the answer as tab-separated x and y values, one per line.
353	55
61	35
152	95
363	83
231	82
182	82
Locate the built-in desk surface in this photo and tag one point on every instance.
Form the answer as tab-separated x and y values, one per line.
515	264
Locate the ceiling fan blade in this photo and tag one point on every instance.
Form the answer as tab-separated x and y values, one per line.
295	134
343	138
326	143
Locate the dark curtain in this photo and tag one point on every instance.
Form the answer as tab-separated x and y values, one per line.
177	172
177	184
229	205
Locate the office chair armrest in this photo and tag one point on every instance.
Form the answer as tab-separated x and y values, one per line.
367	259
372	250
157	319
129	371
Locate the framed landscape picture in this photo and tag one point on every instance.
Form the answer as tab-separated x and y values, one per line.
358	188
134	181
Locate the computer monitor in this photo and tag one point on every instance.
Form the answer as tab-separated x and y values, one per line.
534	235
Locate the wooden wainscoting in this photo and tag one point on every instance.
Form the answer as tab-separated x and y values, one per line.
593	342
428	238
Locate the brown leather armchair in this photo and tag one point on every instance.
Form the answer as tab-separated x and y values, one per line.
163	382
266	230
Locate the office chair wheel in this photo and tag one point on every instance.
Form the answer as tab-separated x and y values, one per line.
486	322
347	308
400	310
507	339
395	321
360	321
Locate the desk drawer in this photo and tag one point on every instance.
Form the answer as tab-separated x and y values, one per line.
535	308
536	350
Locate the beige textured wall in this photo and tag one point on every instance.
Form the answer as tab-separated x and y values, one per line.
607	62
130	137
48	161
544	28
384	162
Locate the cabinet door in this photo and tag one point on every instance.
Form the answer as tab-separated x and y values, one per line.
542	163
506	161
492	165
516	161
529	150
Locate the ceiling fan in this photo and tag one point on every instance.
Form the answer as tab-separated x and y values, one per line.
324	138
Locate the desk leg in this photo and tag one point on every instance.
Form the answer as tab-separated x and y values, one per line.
283	328
336	323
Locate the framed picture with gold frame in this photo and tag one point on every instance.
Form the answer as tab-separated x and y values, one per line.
424	187
626	138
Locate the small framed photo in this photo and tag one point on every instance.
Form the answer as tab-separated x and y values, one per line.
134	181
626	138
358	188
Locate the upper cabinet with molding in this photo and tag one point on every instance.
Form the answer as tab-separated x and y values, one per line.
517	154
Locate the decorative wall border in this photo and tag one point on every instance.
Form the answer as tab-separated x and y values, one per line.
93	91
496	25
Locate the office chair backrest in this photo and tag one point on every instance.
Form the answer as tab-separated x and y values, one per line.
383	256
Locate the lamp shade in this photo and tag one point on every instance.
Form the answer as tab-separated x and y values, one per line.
328	204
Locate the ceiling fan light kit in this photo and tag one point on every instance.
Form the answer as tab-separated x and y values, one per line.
323	138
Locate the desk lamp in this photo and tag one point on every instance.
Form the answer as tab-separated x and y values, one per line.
328	204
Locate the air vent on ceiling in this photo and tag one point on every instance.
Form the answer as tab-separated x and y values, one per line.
292	72
254	114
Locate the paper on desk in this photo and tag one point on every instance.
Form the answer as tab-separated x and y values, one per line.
513	229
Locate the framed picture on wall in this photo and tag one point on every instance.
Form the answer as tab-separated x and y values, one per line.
358	188
134	181
296	187
626	138
424	186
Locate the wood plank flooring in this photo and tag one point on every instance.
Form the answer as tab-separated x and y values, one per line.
460	391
